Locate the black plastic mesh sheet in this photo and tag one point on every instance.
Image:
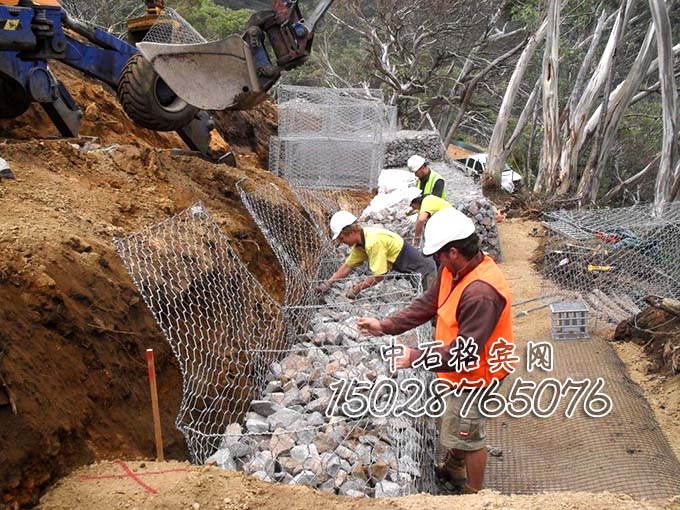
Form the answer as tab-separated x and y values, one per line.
623	452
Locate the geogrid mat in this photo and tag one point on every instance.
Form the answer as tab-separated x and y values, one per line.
623	452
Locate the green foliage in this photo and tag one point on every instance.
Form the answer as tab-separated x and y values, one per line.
214	21
528	12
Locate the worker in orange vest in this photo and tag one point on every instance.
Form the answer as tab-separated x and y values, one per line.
471	302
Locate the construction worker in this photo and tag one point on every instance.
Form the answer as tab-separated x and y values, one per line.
426	205
471	301
429	181
385	251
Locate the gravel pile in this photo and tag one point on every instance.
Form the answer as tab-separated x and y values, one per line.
401	145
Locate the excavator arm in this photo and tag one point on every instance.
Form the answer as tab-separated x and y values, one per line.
236	73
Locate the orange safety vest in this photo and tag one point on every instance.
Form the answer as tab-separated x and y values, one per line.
447	324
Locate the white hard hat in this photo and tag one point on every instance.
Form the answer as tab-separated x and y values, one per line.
445	226
412	194
415	163
340	220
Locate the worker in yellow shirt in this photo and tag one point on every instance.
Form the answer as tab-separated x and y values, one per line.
426	205
384	251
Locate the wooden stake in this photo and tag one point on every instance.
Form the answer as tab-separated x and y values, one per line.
154	405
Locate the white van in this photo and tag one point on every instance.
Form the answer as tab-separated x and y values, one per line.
476	164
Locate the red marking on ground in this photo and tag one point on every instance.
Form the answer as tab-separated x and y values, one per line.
135	476
147	473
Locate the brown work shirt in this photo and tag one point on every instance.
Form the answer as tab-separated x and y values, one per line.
478	312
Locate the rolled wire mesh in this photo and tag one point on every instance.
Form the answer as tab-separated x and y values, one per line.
613	258
172	28
213	313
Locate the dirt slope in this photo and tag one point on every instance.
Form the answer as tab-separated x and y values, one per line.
73	329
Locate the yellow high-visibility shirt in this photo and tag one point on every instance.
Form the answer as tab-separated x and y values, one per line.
381	249
432	204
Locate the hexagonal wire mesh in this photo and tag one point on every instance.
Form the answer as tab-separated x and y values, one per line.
213	313
613	258
230	336
291	437
327	163
306	255
330	142
172	28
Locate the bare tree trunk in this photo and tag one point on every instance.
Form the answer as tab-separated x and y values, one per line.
551	113
634	179
470	88
579	115
609	115
625	92
669	99
590	180
530	146
583	71
496	160
597	162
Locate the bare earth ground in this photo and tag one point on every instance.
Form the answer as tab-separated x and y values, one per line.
210	488
173	485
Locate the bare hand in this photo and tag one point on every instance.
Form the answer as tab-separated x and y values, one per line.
405	360
323	288
370	326
354	292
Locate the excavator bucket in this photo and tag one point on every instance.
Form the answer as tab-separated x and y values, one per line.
217	75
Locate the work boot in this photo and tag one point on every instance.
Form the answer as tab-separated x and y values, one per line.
452	472
469	490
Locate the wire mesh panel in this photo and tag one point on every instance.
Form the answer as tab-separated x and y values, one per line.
330	138
299	246
172	28
327	163
321	204
255	388
365	120
615	257
214	314
323	95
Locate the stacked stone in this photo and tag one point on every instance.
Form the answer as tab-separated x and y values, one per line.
289	438
401	145
466	195
483	213
400	219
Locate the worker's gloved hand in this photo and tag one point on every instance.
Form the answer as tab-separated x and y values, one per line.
323	288
354	292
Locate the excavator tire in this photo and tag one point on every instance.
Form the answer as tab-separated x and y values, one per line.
148	101
13	99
